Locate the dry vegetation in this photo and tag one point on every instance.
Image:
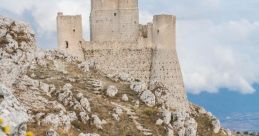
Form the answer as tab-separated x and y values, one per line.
100	104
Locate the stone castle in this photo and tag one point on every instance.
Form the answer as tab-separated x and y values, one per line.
119	44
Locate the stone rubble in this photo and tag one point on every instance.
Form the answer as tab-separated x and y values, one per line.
111	91
117	113
97	121
148	98
59	120
51	132
138	87
125	97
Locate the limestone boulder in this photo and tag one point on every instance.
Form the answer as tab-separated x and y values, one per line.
125	97
148	98
61	119
117	113
167	116
159	122
216	125
21	130
96	84
84	117
85	66
191	127
138	87
88	134
125	77
85	104
111	91
97	121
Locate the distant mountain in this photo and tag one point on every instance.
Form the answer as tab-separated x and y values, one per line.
242	121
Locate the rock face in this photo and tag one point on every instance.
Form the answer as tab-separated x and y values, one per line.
11	110
17	45
52	93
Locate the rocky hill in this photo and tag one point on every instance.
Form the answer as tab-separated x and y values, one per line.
50	93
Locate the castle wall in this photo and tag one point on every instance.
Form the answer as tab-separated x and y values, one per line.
70	35
120	45
114	20
115	58
165	64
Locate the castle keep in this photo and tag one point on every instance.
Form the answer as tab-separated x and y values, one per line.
119	44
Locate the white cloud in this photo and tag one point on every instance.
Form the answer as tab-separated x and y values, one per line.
214	55
44	11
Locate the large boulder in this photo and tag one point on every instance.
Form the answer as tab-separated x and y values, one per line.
60	120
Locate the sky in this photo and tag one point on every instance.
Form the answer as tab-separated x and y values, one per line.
217	44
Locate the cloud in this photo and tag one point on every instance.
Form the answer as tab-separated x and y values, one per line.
218	55
217	48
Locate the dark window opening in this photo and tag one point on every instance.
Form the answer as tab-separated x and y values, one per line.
66	44
80	42
74	30
157	31
115	14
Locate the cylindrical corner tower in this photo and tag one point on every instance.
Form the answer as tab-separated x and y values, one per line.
165	65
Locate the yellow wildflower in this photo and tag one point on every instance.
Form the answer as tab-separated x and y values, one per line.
1	120
29	133
6	129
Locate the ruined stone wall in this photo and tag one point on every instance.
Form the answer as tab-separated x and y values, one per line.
114	20
70	34
115	58
165	64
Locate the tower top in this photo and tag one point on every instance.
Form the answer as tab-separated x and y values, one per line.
113	4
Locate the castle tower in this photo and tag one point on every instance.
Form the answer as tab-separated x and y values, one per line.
70	35
165	65
114	20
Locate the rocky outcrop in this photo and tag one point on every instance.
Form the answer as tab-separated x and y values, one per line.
17	46
53	93
11	110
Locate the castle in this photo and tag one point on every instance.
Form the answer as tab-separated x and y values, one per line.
119	44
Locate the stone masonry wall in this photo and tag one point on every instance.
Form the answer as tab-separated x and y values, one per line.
165	64
115	58
114	20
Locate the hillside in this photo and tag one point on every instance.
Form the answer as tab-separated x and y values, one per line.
51	93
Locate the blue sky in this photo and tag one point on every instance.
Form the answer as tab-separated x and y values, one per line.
217	43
